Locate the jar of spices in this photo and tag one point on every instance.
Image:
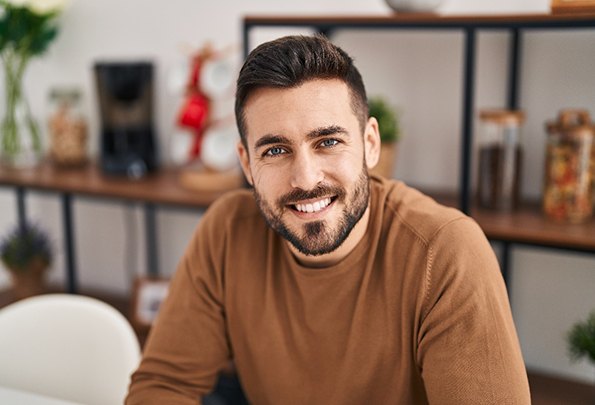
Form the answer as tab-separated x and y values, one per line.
500	159
67	128
568	189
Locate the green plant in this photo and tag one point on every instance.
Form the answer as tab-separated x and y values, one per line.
388	122
25	245
581	339
27	27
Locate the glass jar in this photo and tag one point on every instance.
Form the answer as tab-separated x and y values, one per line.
500	159
568	186
67	128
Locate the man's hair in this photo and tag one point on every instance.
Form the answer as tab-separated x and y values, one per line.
289	62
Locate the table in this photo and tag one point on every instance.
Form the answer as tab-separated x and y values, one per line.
12	396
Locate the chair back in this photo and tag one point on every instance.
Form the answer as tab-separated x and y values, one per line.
67	346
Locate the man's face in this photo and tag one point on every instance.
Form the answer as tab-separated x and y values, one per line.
308	162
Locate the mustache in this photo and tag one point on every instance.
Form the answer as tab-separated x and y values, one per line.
321	190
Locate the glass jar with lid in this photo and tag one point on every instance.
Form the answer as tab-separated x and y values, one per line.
67	128
568	185
500	159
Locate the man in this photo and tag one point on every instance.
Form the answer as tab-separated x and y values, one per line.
326	286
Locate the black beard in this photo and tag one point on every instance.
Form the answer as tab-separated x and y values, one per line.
317	238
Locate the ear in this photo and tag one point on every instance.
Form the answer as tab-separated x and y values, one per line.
245	162
372	143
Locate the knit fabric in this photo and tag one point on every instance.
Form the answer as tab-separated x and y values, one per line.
416	313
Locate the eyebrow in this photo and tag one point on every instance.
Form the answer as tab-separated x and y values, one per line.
316	133
325	131
270	139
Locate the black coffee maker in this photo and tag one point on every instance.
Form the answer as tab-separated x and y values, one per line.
125	93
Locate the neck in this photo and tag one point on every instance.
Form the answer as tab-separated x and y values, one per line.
334	257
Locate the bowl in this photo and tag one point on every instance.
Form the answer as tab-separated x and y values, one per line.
414	6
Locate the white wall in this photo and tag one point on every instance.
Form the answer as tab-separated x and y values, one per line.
419	71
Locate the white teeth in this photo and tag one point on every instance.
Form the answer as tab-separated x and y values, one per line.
313	207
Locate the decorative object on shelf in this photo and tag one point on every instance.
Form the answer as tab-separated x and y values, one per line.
573	6
414	6
27	253
196	107
148	294
211	76
67	128
27	27
125	92
568	189
390	132
202	179
217	169
581	339
500	159
205	143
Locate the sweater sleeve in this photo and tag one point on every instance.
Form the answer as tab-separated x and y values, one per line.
468	350
187	346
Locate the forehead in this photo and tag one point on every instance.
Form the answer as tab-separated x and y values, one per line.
298	110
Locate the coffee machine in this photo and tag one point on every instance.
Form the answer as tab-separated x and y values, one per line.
125	95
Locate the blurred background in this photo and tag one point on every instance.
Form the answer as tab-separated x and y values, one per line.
419	72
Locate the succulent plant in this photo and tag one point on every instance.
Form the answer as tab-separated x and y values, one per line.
581	339
25	245
388	123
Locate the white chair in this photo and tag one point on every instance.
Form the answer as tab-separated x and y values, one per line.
69	347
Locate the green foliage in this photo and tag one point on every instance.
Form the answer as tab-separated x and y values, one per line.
23	245
388	122
581	339
25	32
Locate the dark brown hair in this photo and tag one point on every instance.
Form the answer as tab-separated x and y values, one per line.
289	62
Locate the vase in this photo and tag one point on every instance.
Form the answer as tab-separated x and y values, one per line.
20	143
414	6
386	161
29	281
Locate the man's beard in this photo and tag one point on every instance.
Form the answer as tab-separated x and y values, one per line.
317	237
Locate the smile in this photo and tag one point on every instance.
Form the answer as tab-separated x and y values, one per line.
314	206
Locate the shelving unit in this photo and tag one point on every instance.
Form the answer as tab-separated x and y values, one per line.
156	190
526	226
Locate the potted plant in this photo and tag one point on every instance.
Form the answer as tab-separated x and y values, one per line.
26	253
390	132
581	339
27	27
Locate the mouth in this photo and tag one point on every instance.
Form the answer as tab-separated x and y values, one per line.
313	206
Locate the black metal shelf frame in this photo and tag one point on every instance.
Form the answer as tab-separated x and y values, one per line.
150	210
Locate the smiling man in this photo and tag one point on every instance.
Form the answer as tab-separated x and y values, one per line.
325	285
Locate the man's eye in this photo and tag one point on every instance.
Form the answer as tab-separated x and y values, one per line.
275	151
327	143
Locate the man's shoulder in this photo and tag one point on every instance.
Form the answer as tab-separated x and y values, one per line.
236	199
416	211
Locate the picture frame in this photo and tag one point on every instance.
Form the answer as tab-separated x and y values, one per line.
148	295
572	6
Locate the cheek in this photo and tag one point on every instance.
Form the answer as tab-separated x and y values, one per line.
345	168
267	180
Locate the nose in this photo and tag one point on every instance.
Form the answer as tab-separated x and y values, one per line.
306	171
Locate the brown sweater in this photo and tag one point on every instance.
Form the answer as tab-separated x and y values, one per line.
417	313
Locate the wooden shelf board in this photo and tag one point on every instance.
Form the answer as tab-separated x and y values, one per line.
529	225
161	187
421	19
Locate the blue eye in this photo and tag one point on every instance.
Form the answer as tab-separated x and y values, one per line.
275	151
328	143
